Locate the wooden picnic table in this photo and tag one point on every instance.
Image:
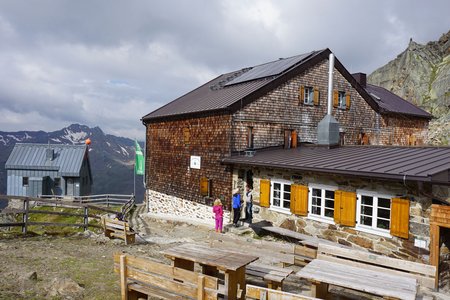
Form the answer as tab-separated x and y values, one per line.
321	273
213	260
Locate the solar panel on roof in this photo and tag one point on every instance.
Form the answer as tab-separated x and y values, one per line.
269	69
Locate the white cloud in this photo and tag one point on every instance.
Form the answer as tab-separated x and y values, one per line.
109	64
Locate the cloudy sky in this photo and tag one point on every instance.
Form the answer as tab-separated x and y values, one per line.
107	63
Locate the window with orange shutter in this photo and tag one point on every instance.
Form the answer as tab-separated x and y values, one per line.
204	186
264	192
400	217
299	200
321	202
345	208
374	212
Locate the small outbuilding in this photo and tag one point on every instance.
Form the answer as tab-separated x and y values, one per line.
46	169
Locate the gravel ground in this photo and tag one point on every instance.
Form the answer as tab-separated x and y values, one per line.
80	266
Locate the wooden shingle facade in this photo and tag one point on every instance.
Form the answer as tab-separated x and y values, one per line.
253	126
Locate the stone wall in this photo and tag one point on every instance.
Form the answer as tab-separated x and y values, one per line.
420	209
281	109
170	145
167	206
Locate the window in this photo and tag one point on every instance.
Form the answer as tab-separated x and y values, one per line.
290	139
308	97
341	100
24	181
321	202
186	136
249	137
57	182
281	195
373	212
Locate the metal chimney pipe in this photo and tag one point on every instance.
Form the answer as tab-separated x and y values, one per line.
330	83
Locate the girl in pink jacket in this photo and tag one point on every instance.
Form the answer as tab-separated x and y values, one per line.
218	214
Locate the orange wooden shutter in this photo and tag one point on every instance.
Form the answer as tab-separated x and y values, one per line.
400	217
316	96
301	94
204	186
335	98
347	101
294	139
264	194
186	135
299	200
345	208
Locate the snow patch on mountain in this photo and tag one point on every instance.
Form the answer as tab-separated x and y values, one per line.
75	137
124	151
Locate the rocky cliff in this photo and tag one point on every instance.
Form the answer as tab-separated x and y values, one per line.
421	75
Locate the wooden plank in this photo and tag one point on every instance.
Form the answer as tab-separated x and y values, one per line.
220	258
377	259
369	281
423	280
148	265
123	277
255	292
201	288
273	257
156	292
305	251
302	238
435	250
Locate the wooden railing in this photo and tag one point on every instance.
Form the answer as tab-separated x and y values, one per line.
29	204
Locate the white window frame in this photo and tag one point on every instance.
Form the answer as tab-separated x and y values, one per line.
308	96
279	208
342	103
372	229
322	217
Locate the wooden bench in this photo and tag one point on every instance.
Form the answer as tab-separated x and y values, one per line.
118	229
260	293
272	275
366	272
282	254
143	277
273	257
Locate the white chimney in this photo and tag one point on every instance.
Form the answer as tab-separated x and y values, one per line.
328	128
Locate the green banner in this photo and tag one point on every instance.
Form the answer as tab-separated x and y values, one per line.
139	161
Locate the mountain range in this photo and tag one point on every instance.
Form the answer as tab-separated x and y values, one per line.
111	157
421	75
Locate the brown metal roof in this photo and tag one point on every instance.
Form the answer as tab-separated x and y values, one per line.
428	164
391	103
232	91
224	91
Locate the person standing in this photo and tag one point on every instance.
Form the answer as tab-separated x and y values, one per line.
248	204
236	203
218	215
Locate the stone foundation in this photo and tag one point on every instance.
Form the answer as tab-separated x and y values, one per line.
166	206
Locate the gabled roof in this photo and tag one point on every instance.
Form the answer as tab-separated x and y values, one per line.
391	103
232	91
427	164
67	160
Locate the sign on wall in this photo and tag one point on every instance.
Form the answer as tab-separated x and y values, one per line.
195	162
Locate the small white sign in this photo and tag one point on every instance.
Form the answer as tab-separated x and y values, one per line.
195	162
420	243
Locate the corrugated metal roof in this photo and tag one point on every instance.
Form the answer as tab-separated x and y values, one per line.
392	103
401	163
67	158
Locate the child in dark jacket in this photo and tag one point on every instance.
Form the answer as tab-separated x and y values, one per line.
218	214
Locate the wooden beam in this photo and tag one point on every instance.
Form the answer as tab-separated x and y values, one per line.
435	250
123	277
